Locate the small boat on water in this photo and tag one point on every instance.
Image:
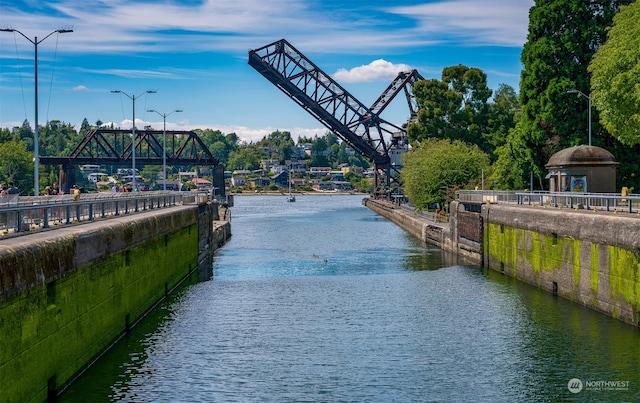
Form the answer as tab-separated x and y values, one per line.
291	197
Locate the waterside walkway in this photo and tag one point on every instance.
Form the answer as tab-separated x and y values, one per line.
27	214
578	201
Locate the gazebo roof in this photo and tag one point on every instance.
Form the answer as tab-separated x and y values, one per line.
581	156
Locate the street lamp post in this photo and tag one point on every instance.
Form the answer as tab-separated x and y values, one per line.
133	133
589	99
164	142
36	147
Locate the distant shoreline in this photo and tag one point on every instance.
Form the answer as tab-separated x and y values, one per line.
300	194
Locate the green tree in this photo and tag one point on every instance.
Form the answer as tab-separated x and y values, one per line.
84	127
279	141
25	134
232	142
501	117
319	151
515	162
454	108
244	158
563	36
616	77
58	139
150	174
219	150
5	135
16	165
438	166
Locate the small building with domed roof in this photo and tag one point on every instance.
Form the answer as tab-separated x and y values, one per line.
582	169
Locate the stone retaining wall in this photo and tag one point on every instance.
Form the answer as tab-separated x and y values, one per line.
69	293
592	258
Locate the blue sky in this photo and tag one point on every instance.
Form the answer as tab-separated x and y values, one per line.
194	54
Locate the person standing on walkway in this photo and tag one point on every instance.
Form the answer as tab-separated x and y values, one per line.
75	191
12	189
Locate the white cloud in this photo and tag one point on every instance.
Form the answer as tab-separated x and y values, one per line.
122	34
249	134
377	70
133	73
478	22
233	25
246	134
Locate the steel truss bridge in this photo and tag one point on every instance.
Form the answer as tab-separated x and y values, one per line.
361	127
114	147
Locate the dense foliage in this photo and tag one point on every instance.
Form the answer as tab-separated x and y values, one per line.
433	171
615	70
15	163
58	139
563	37
456	108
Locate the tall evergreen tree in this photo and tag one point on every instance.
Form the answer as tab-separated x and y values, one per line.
84	127
563	37
25	134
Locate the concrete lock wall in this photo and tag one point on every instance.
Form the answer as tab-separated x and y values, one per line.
592	258
69	294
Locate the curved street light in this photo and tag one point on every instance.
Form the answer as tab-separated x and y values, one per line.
133	133
164	142
589	98
36	146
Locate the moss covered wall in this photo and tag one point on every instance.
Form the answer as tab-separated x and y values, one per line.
590	258
73	295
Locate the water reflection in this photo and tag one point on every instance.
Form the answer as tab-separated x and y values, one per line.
325	301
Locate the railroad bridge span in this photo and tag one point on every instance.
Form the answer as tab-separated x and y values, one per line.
105	146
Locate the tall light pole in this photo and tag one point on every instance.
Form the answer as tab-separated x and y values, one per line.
588	98
164	142
36	146
133	132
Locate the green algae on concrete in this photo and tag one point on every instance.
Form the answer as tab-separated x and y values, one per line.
535	256
546	252
624	275
537	253
51	332
594	269
500	243
576	262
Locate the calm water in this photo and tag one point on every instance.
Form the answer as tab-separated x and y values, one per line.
322	300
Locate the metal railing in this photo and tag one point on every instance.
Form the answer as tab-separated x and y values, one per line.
440	217
19	215
574	200
487	196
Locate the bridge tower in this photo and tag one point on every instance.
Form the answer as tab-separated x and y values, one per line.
361	127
